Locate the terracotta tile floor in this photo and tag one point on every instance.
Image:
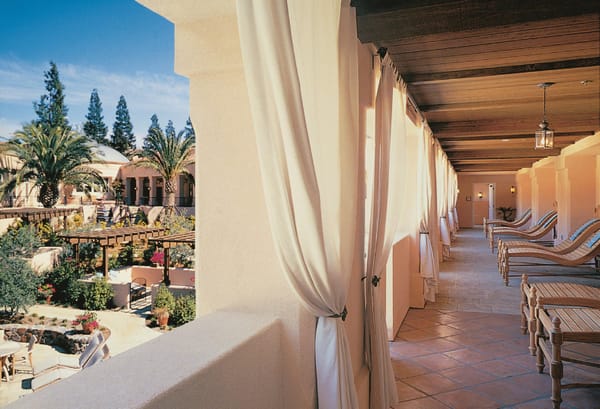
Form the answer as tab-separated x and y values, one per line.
467	351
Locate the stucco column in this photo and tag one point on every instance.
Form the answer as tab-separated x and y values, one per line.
139	191
236	264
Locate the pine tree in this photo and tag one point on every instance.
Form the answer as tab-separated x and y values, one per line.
189	129
122	138
95	128
153	125
51	110
170	129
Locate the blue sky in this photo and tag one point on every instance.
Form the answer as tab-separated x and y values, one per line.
116	46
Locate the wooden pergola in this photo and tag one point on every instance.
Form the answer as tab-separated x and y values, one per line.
38	214
172	240
111	237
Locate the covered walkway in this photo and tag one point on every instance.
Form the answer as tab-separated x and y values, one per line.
466	350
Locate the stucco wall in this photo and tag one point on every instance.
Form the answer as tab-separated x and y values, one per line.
234	364
471	209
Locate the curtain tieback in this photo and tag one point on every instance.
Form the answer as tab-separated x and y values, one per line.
423	232
341	315
375	280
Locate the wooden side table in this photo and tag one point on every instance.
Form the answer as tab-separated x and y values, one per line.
552	293
7	348
556	326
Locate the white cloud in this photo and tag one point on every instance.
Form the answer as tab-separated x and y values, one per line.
21	83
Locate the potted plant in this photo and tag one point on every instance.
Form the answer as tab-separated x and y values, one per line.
46	291
88	321
163	305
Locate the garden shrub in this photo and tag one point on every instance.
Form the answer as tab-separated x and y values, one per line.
64	277
48	236
141	218
148	253
20	241
88	253
177	224
164	298
97	295
182	255
18	284
125	257
184	310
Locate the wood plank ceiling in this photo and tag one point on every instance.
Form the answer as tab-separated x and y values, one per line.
473	68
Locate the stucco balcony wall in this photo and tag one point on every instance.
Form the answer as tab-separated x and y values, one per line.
221	360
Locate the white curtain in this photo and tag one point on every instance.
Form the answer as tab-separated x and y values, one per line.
453	198
441	168
386	208
452	192
428	265
301	70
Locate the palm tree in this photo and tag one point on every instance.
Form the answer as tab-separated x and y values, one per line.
169	155
49	158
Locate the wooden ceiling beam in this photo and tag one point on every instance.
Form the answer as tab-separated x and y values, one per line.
523	136
459	15
513	154
501	104
508	127
419	79
474	169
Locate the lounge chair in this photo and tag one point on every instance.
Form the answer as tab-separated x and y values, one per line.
576	257
24	363
563	294
97	341
61	372
540	229
583	233
487	224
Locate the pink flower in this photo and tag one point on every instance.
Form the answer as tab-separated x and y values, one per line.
158	257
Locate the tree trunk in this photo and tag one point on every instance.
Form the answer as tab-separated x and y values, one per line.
170	191
48	195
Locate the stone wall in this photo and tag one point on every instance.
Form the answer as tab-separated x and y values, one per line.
68	340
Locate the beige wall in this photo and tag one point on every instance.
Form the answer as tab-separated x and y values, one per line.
523	191
569	183
543	187
471	209
577	178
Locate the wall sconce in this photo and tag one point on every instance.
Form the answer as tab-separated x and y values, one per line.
480	195
513	190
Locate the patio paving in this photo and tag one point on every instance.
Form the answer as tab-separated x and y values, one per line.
466	350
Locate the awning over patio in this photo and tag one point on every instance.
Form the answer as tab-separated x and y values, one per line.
172	240
111	237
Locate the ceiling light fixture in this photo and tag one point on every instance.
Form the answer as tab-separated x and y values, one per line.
544	137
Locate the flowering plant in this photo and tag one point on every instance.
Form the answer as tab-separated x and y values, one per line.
89	318
46	289
158	258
